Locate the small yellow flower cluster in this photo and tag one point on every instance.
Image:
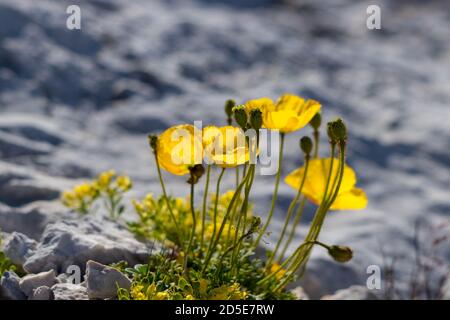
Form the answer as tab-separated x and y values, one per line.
80	198
228	292
107	185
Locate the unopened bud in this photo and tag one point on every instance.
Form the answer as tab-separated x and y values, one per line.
340	253
229	105
256	119
196	172
316	121
153	141
240	116
306	145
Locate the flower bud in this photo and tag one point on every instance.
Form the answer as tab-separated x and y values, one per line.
256	119
229	105
316	121
240	116
306	145
339	129
196	172
340	253
330	132
153	141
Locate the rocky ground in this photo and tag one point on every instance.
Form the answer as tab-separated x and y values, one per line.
74	103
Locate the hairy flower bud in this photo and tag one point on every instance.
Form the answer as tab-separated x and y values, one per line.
229	105
306	145
256	119
340	253
153	141
240	116
196	172
316	121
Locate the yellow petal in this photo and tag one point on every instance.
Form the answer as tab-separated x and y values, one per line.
316	178
289	102
351	200
261	104
178	148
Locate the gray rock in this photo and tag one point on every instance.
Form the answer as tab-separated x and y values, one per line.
102	281
10	288
30	220
352	293
18	247
75	241
69	291
33	281
42	293
300	293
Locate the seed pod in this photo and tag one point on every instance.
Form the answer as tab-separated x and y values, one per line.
339	129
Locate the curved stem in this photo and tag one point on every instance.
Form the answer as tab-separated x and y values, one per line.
319	217
205	198
289	213
298	217
216	201
222	226
242	214
275	192
163	187
284	264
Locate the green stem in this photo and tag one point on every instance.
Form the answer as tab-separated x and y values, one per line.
275	192
242	214
166	198
316	135
222	226
216	201
205	198
283	265
194	224
298	217
320	215
289	213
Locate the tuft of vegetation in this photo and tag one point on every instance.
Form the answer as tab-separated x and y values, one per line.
5	262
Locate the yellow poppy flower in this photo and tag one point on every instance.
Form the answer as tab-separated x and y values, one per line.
289	113
348	198
225	146
179	148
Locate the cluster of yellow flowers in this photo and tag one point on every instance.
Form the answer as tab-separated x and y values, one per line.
327	182
210	241
107	184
